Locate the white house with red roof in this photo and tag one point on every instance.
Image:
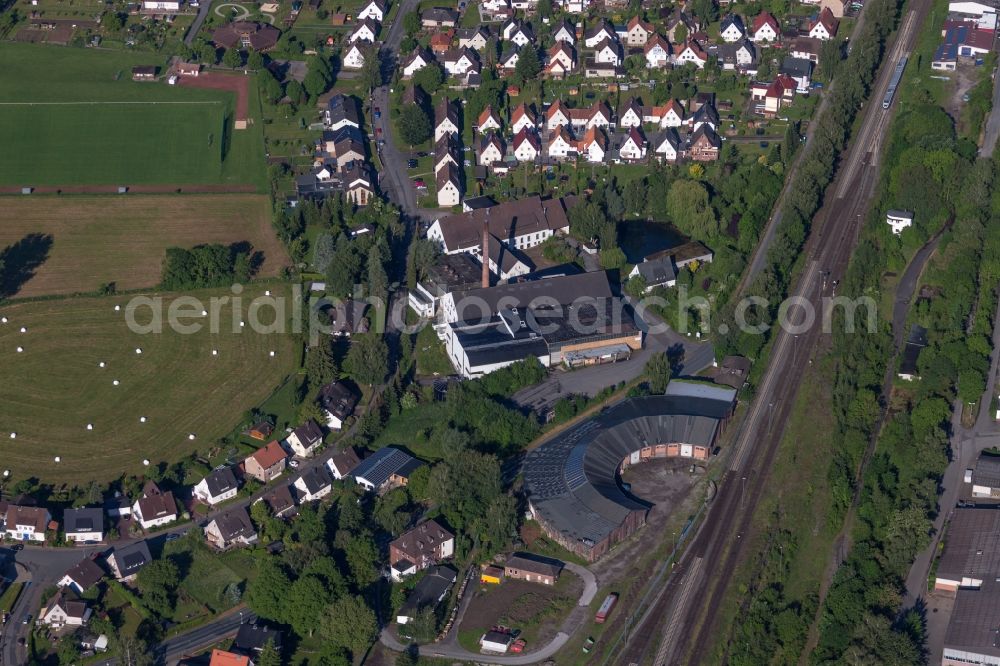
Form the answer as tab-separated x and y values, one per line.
522	116
692	53
765	28
657	52
825	26
527	146
633	148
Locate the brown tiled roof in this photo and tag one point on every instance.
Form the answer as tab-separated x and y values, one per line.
506	220
422	540
270	455
27	515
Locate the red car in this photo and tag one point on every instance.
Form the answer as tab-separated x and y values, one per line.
518	645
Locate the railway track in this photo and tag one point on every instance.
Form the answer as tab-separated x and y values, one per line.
679	626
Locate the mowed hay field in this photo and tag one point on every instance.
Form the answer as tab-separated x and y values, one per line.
75	117
55	387
123	239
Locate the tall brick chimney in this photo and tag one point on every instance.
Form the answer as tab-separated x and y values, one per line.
486	250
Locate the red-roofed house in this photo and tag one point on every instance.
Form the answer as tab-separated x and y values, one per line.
527	146
765	28
825	26
693	53
266	463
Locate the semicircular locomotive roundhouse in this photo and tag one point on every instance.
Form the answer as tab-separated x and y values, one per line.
572	481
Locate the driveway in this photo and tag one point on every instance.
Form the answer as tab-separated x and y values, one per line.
203	10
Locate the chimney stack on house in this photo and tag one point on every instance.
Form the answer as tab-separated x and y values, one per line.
486	250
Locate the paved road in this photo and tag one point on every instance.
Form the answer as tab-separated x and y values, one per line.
908	284
450	649
992	130
206	5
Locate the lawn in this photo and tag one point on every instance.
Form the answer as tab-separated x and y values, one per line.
55	387
75	117
122	239
205	577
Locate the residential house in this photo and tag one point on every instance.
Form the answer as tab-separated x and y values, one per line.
561	144
337	401
414	94
358	180
266	463
314	484
491	149
691	53
508	59
667	145
680	20
427	593
446	151
608	52
838	7
522	223
565	32
519	33
739	56
670	114
657	52
24	523
365	31
800	70
251	638
488	120
560	60
82	576
522	116
385	469
304	440
473	38
416	62
805	48
765	28
154	508
899	220
594	145
631	114
64	610
441	42
425	545
354	58
459	61
656	272
601	32
773	96
84	525
633	149
598	115
557	115
341	111
573	6
217	487
825	26
346	317
909	364
231	529
449	186
342	463
126	561
439	17
532	568
704	144
224	658
983	481
280	501
638	32
374	10
527	146
705	115
732	29
446	120
505	262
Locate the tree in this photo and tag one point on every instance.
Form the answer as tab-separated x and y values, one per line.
351	624
321	365
680	33
544	8
689	209
255	60
658	373
158	584
414	125
528	65
411	23
371	69
232	58
295	92
270	88
429	78
368	359
378	280
266	593
307	600
636	196
315	83
67	651
131	651
362	558
269	655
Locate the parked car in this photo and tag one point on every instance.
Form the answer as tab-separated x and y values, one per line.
293	463
518	645
411	164
27	619
419	182
173	537
588	645
764	144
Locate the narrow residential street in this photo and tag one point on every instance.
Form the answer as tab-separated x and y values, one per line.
992	129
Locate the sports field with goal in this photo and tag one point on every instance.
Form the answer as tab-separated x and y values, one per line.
76	117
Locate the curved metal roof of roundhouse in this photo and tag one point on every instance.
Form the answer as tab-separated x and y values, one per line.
572	480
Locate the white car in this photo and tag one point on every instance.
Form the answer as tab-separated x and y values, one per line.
293	464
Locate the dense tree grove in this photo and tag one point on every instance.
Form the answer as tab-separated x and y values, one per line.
206	266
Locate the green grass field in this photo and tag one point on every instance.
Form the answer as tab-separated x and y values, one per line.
75	117
55	387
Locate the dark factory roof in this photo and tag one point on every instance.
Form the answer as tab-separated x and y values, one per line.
572	479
